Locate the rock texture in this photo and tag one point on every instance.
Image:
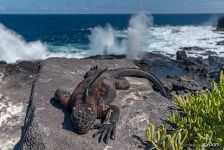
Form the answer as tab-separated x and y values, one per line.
48	126
187	74
15	88
220	25
220	43
181	55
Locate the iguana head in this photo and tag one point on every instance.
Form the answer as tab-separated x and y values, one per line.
83	117
62	96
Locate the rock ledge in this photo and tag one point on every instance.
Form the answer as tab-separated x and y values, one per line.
48	127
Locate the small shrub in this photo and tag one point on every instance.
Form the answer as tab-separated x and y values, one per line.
199	120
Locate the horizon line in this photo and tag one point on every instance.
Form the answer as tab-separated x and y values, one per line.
107	13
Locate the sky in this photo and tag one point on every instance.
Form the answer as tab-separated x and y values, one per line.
110	6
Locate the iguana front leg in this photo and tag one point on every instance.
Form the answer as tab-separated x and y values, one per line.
108	128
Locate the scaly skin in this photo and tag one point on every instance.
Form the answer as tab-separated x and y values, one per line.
93	96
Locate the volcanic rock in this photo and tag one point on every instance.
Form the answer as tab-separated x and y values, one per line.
220	43
220	25
48	126
187	75
181	55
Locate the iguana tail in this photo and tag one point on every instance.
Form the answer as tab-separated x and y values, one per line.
135	72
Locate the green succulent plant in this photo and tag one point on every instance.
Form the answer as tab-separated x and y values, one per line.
199	119
160	139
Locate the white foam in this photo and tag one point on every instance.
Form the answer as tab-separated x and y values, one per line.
170	39
13	47
66	55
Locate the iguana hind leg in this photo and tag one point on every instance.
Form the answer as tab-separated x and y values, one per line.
94	70
122	84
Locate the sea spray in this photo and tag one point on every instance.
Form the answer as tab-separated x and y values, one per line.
161	39
138	26
102	40
13	47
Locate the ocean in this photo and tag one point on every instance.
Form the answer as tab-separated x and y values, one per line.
30	37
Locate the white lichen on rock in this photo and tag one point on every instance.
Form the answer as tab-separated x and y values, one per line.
11	115
2	76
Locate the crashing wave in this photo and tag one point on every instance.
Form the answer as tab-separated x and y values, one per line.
140	36
13	47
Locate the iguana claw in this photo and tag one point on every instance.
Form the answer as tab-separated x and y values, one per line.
107	130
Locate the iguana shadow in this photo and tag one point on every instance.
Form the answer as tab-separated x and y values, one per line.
146	145
67	123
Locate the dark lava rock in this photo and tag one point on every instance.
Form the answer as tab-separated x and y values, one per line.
196	66
112	56
186	86
215	62
3	62
23	66
181	55
188	75
220	43
48	126
220	25
29	66
2	66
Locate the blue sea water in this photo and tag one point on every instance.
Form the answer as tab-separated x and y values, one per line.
70	29
70	33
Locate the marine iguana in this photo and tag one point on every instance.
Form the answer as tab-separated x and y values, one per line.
93	96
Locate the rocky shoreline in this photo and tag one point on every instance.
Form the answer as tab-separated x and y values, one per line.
183	75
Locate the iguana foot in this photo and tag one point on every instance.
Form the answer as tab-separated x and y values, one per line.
107	131
95	68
